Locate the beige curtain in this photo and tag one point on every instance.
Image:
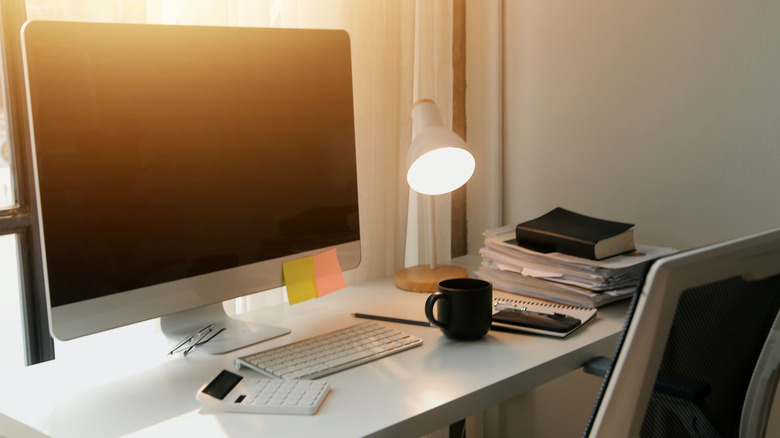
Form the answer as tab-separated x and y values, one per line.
433	79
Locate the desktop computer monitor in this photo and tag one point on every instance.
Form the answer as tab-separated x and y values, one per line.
177	167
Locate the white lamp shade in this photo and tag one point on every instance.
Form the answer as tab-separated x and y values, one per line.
438	159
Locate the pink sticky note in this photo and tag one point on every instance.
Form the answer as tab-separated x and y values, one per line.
299	279
327	272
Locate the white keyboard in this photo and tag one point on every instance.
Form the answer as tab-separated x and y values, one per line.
232	392
329	353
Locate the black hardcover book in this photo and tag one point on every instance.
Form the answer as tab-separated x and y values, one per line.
575	234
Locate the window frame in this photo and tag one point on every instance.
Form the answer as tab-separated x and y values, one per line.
22	219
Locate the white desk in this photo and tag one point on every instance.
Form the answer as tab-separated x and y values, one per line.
409	394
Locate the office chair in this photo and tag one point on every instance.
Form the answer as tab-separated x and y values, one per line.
699	353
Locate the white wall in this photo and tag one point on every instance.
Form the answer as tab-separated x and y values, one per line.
662	113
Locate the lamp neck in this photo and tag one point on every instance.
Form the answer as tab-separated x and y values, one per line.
431	231
425	114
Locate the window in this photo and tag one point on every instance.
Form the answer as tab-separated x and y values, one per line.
7	195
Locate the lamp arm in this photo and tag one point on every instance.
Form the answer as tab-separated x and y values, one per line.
431	231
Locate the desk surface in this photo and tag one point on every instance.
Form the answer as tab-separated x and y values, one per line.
408	394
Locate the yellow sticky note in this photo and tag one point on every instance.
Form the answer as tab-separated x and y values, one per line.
299	279
327	272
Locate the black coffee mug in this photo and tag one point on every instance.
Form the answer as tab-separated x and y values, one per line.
465	309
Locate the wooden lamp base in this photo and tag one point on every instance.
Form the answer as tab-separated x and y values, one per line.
422	278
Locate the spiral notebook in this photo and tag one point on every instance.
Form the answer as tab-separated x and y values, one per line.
528	315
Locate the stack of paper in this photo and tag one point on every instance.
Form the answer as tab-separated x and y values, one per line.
560	277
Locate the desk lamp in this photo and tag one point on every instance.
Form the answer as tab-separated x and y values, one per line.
438	162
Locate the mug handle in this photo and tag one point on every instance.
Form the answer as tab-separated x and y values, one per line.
429	308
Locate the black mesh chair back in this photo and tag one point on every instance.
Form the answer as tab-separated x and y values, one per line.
698	356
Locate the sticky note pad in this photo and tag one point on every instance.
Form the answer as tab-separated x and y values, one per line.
299	279
327	272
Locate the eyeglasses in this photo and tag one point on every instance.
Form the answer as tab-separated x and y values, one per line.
196	339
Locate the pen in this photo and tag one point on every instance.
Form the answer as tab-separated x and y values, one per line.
389	319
